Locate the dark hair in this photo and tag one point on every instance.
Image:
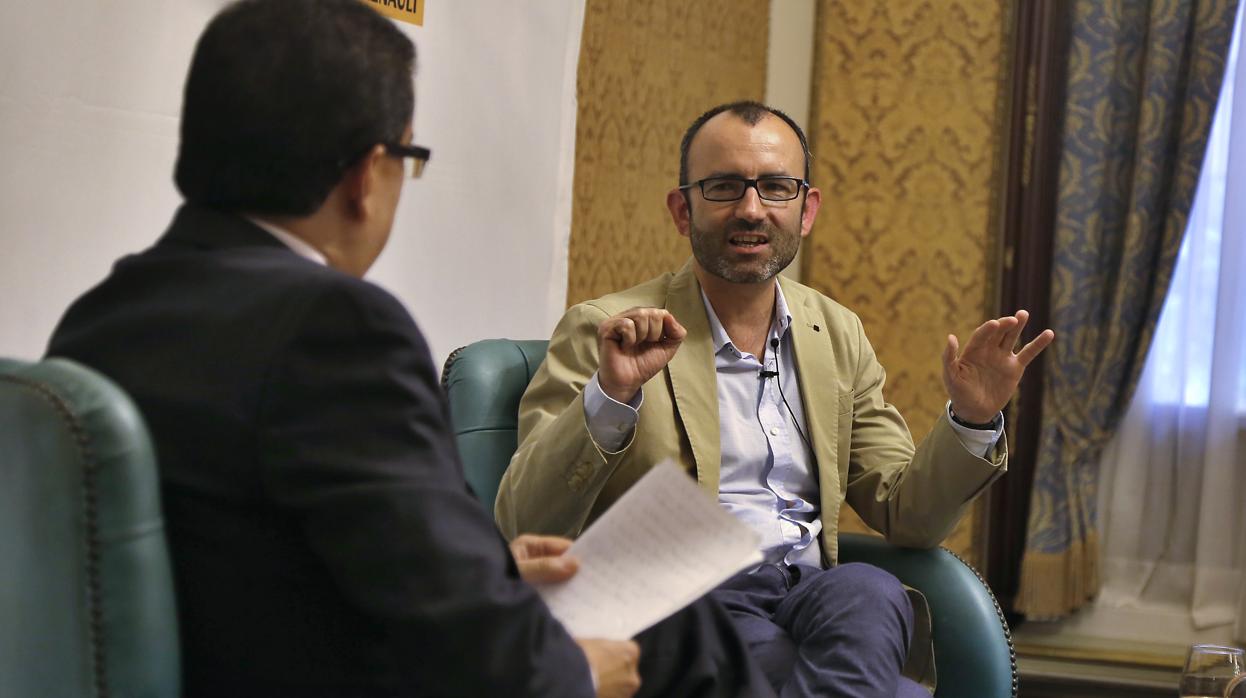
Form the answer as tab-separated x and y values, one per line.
283	96
750	112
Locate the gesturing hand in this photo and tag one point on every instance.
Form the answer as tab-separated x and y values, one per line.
981	379
541	558
634	345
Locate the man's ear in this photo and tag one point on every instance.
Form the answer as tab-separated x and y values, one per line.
813	202
361	183
681	213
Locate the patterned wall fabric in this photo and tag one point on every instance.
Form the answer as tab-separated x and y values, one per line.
905	135
647	69
1143	79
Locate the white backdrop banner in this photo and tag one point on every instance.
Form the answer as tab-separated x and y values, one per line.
89	99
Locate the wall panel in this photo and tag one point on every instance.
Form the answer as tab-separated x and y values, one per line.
905	135
647	69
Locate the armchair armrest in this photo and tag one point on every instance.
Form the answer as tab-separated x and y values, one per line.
973	644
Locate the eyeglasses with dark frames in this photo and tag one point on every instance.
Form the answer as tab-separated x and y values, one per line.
770	188
419	156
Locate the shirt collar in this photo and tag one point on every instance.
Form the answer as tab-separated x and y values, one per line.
297	244
778	328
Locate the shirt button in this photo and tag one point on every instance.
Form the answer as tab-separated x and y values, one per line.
774	431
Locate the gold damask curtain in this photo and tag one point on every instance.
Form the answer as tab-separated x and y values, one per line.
1143	79
647	69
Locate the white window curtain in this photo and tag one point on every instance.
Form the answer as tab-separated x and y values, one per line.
1173	495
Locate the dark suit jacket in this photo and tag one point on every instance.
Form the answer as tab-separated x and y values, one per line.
323	538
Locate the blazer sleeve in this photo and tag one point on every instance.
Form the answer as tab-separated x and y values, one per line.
913	496
357	447
558	471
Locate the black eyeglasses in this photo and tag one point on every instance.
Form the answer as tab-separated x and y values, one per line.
418	155
774	188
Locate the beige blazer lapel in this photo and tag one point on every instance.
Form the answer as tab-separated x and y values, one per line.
693	379
819	393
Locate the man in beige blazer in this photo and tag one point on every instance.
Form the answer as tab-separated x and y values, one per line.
769	394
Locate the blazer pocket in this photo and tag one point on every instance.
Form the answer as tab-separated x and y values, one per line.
845	403
843	437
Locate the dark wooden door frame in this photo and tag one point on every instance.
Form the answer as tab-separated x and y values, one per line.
1033	142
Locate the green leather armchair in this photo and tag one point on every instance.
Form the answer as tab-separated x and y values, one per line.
973	646
86	594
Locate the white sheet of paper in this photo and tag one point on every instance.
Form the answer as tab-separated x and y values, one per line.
661	546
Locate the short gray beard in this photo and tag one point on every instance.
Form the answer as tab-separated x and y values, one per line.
709	259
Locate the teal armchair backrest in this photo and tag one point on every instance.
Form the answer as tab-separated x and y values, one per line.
484	382
86	593
973	646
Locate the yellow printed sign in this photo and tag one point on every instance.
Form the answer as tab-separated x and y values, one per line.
409	11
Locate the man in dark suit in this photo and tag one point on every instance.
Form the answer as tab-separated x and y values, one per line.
324	541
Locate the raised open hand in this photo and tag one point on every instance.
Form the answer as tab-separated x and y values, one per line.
983	377
634	345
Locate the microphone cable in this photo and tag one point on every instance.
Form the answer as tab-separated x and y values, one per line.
774	346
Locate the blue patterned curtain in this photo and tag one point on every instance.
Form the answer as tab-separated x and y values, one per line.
1143	79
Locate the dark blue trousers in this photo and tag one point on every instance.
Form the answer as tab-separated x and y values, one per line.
838	632
698	653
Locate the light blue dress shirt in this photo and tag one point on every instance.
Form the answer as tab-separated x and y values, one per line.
768	476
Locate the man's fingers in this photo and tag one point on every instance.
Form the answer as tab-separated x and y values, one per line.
619	329
541	558
630	651
1003	330
1035	347
641	325
1016	324
615	665
630	333
547	570
649	328
530	545
950	350
553	545
634	323
983	335
672	330
650	323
